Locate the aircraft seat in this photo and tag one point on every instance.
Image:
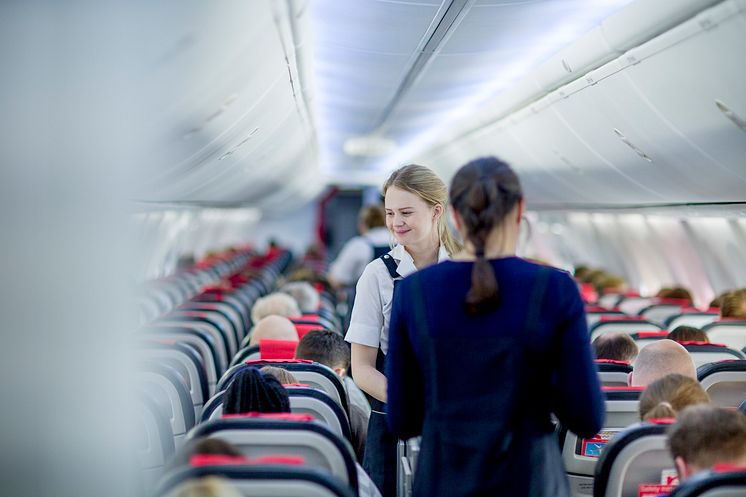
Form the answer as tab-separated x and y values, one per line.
259	434
643	338
634	461
594	313
199	340
706	352
303	400
661	309
310	373
613	373
724	382
692	317
171	393
189	360
265	480
156	442
625	324
720	482
247	353
731	332
580	455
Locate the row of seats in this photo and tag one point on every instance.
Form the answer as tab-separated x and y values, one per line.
182	353
663	314
307	452
729	332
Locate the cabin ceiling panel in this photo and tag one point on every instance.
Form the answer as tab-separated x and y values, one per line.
651	127
411	68
235	95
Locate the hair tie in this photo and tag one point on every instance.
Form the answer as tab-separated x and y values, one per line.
480	252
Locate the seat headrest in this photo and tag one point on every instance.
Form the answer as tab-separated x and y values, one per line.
284	416
277	349
199	460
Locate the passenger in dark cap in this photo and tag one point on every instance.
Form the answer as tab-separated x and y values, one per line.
251	391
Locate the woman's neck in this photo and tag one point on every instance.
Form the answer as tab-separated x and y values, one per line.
499	244
423	256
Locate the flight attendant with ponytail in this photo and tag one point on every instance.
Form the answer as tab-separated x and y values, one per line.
415	200
483	349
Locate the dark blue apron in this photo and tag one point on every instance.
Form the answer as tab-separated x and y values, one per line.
379	460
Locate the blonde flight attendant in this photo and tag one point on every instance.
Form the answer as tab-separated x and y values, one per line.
415	201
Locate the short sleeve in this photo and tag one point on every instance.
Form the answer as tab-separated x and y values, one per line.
367	318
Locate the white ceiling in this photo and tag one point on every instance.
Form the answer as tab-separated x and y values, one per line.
405	70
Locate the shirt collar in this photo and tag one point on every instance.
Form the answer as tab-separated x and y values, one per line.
406	263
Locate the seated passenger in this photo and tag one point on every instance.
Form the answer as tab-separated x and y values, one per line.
667	396
676	292
274	304
685	333
704	436
360	250
304	294
734	305
201	446
660	358
274	328
330	349
615	347
252	391
282	375
609	283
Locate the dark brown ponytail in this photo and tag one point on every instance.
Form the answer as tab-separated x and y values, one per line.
484	192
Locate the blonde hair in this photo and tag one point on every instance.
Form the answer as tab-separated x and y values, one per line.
430	188
209	486
733	304
283	375
667	396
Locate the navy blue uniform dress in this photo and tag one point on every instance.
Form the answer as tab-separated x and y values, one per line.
480	389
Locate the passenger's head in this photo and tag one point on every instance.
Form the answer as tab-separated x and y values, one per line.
252	391
610	283
706	435
327	348
201	446
282	375
685	333
717	302
581	271
487	201
274	304
657	359
273	328
615	346
415	200
676	292
734	304
371	216
667	396
208	486
303	293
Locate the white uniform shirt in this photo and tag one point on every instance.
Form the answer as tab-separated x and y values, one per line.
356	254
369	324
